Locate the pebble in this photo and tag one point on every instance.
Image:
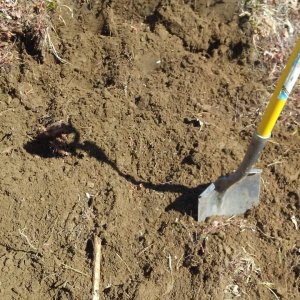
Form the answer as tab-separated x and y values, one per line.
221	235
90	184
17	290
227	249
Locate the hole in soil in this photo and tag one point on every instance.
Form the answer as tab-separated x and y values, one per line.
188	254
188	160
191	121
257	63
13	93
243	21
89	249
206	277
71	250
137	100
237	50
260	225
109	82
195	144
105	30
152	20
194	270
296	270
64	293
162	227
147	269
179	148
213	45
141	238
201	252
293	196
90	201
31	44
107	290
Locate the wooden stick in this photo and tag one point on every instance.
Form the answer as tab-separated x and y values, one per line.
96	270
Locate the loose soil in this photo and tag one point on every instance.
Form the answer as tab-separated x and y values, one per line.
163	97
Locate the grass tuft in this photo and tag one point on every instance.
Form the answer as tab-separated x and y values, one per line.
26	22
276	27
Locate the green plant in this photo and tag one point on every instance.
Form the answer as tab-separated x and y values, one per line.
51	5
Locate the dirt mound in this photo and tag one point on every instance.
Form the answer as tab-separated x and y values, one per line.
161	98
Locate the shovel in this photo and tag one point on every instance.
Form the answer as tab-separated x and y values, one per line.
236	193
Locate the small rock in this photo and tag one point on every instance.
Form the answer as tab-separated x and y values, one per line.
90	184
89	196
17	290
221	235
8	262
227	250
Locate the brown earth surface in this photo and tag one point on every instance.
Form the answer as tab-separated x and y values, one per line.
163	97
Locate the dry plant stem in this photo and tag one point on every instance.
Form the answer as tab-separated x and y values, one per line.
27	239
96	270
145	249
73	269
124	263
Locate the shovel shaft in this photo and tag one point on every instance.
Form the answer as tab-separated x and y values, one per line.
283	88
253	152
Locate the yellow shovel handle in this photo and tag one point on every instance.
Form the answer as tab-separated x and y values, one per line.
283	88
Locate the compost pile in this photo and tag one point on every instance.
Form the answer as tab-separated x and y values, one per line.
114	130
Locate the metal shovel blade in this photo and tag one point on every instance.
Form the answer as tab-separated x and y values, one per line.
237	199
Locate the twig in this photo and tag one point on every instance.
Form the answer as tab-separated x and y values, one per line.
96	270
266	235
27	239
170	284
271	290
52	47
170	263
180	258
75	270
145	249
69	8
124	263
236	109
275	163
294	220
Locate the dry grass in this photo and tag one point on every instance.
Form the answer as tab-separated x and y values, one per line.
243	274
26	21
276	26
